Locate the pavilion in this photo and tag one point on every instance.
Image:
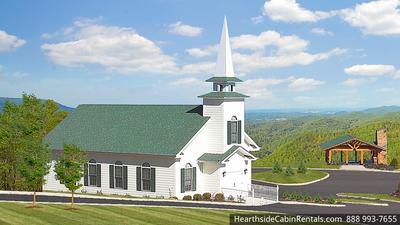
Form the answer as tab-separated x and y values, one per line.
348	144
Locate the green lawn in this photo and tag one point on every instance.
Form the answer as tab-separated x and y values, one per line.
17	213
311	175
371	195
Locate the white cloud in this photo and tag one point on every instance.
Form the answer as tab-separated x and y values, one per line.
356	82
180	28
202	52
370	70
304	84
321	31
189	81
291	12
269	49
249	62
118	49
9	42
259	88
380	17
257	19
198	68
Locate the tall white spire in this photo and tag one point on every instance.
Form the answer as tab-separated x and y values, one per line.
224	66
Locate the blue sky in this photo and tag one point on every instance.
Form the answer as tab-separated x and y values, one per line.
291	54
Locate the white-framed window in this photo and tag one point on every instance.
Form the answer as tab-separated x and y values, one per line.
188	177
92	172
146	177
234	130
118	176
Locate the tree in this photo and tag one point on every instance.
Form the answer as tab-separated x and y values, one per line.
69	168
289	171
276	168
34	165
302	168
19	124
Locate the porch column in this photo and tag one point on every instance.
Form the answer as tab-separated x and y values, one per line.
347	157
330	156
362	157
341	156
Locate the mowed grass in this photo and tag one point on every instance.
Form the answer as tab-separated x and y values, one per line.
17	213
281	178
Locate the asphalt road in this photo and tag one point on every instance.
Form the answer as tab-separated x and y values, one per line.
346	181
339	181
393	208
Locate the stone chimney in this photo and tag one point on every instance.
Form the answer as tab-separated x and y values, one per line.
381	138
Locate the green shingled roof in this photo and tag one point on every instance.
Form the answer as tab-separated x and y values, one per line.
224	79
336	141
221	94
216	156
145	129
344	139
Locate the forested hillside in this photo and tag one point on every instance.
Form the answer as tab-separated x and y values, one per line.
297	139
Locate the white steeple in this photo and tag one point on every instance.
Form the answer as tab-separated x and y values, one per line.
224	66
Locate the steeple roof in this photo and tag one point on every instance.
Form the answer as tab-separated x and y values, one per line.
224	66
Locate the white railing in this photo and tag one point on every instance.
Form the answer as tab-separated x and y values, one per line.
236	194
270	193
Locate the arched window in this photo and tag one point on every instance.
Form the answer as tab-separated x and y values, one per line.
188	178
146	177
234	131
118	175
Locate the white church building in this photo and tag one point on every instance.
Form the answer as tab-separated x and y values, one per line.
164	150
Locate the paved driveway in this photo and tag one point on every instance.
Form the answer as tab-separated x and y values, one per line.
347	181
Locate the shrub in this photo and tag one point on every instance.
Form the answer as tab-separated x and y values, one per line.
197	197
331	200
187	197
298	196
277	168
219	197
173	198
207	196
307	197
318	199
286	195
302	168
395	163
289	171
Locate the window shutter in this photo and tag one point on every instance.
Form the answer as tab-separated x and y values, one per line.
194	179
125	177
111	171
182	180
85	172
153	179
239	132
229	137
138	178
98	177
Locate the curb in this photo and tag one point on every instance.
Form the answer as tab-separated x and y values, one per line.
312	204
146	206
297	184
333	169
367	198
366	203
